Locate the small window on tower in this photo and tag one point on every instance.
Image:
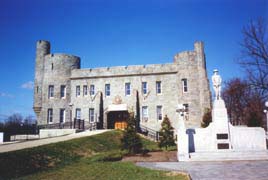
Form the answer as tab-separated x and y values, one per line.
52	66
37	89
184	85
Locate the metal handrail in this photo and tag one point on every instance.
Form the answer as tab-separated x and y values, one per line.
151	133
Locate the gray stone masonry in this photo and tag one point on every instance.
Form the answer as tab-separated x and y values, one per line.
62	69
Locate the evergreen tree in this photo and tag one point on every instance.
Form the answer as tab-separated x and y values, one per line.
100	123
131	140
137	118
166	134
207	118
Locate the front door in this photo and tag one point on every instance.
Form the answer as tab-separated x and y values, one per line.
117	119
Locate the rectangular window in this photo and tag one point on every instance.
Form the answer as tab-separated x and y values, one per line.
107	90
78	113
184	85
50	91
62	115
91	115
127	89
144	87
159	112
158	87
77	91
92	89
62	91
85	90
144	112
50	116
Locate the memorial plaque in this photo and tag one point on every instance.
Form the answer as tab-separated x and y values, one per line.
223	146
222	136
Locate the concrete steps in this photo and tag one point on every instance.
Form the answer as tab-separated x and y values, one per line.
229	156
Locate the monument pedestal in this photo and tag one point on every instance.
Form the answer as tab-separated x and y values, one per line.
221	141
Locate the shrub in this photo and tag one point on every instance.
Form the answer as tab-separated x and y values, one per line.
131	140
166	134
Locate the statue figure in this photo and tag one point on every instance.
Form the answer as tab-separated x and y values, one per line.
216	81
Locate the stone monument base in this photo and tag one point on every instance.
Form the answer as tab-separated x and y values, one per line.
228	156
221	140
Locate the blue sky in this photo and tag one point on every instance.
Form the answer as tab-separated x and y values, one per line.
117	32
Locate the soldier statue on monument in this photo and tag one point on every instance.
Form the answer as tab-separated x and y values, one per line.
216	81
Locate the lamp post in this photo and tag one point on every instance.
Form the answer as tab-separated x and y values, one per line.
71	124
266	112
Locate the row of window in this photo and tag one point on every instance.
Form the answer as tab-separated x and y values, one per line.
50	115
127	88
145	113
62	115
51	91
108	89
159	115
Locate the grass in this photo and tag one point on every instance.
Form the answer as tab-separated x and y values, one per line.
83	158
103	170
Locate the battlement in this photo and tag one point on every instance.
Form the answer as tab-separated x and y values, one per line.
190	55
132	70
62	56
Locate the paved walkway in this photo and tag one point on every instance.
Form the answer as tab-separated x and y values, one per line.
34	143
242	170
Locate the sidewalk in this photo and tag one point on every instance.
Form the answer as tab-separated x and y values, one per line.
40	142
225	170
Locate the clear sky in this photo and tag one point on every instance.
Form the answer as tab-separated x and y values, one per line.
116	32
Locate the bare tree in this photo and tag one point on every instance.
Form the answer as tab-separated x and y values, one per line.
244	104
254	55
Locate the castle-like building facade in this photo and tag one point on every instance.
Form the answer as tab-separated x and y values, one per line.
63	92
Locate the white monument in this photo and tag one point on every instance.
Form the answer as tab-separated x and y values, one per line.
266	112
182	144
1	137
220	140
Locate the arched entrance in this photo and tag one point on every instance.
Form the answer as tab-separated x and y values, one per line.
117	119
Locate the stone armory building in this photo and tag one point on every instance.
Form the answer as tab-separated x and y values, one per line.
63	92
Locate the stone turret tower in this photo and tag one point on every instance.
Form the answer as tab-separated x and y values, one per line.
52	71
42	49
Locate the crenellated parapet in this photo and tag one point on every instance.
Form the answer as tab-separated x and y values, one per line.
120	71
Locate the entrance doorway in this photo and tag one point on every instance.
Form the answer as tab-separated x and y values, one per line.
117	119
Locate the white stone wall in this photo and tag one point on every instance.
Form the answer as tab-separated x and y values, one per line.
48	133
248	138
1	137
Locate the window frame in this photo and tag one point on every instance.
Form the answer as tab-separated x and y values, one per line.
107	90
91	115
50	91
127	89
62	116
76	113
63	87
77	91
49	115
144	88
158	87
92	90
144	116
184	85
159	115
85	90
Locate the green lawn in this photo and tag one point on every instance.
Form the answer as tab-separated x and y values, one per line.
94	157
